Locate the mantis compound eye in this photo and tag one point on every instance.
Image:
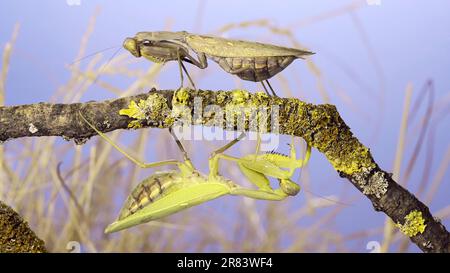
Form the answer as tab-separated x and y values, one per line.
146	43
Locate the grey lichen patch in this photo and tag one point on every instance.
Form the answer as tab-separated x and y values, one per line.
427	245
32	128
15	235
157	109
371	184
377	185
106	124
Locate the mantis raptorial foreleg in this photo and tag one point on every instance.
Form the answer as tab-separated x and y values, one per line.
258	179
255	167
201	63
264	191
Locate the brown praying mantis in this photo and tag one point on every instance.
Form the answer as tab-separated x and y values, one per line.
248	60
165	193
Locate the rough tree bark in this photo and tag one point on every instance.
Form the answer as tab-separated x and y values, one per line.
320	125
15	234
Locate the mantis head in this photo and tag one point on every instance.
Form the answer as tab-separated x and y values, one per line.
289	187
158	47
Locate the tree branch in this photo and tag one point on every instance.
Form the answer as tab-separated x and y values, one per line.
15	234
320	125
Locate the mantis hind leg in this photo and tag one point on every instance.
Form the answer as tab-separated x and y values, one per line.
271	89
127	155
189	76
187	161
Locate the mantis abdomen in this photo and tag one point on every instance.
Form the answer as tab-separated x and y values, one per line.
157	186
148	191
253	68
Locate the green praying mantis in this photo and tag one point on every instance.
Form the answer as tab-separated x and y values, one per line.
168	192
248	60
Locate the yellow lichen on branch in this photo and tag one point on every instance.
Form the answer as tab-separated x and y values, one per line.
319	125
149	109
414	224
320	128
329	134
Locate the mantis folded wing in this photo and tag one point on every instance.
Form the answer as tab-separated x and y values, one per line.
182	193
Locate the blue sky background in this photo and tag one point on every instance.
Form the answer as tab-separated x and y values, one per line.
409	39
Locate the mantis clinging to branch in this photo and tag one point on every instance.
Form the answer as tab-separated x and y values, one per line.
248	60
165	193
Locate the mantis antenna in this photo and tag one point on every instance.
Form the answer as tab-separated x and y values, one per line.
93	54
